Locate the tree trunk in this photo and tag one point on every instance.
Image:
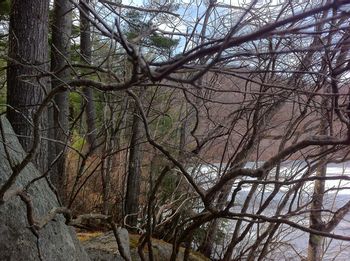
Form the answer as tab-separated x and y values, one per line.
28	49
316	241
207	245
85	49
134	171
60	55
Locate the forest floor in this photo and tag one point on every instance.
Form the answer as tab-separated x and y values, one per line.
102	246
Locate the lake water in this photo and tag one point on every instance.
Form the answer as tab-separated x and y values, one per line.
292	243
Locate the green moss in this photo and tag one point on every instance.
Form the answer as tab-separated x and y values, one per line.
134	240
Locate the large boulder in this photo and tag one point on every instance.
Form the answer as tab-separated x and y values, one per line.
56	241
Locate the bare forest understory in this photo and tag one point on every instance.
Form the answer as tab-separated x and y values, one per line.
175	130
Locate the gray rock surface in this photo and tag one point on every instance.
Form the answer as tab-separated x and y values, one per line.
56	240
123	242
103	248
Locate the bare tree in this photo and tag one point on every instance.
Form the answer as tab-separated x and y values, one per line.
60	59
246	71
243	120
134	177
86	50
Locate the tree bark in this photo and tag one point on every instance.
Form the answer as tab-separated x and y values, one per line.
134	171
85	49
316	241
59	115
26	86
